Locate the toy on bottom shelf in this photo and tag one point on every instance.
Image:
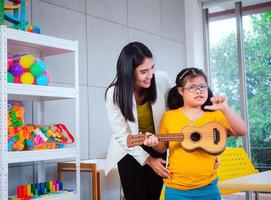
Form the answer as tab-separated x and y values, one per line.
26	69
40	190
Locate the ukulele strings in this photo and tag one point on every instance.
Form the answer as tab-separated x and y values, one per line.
173	135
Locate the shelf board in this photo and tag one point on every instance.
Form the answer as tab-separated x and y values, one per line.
47	45
36	92
68	195
40	155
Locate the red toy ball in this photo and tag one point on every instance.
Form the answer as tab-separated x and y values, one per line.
10	62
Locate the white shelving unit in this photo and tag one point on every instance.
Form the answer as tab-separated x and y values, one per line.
45	46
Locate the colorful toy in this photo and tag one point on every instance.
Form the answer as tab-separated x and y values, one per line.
10	77
15	113
26	69
16	69
2	3
34	137
27	60
36	69
17	80
18	21
10	61
19	15
16	136
42	80
38	190
41	65
33	29
27	78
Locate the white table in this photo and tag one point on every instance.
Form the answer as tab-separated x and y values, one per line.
259	182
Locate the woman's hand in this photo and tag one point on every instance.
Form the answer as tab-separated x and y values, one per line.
219	103
150	140
157	164
217	162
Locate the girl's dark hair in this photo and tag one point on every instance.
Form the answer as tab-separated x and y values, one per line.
174	99
131	56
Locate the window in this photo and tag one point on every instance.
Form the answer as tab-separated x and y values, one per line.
225	78
257	43
224	65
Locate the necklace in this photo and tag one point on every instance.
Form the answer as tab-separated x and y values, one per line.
193	117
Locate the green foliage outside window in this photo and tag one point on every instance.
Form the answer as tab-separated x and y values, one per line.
257	46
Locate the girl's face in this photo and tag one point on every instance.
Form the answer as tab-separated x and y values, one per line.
195	92
144	73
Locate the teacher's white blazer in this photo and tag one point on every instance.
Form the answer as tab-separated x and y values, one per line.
121	127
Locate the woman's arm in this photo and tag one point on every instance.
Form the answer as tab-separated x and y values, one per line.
157	164
121	129
161	147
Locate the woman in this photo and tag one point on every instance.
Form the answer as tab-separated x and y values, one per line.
135	102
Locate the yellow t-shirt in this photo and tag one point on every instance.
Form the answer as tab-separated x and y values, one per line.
145	118
189	170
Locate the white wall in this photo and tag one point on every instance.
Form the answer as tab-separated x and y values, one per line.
194	34
102	28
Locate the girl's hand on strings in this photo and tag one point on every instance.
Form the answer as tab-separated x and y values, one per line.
150	140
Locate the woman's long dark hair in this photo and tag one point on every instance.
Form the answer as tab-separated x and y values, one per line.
131	56
174	99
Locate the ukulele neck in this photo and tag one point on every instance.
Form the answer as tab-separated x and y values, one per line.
134	140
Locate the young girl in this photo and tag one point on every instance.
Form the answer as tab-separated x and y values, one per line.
191	103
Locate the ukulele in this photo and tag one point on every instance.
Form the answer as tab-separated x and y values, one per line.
211	138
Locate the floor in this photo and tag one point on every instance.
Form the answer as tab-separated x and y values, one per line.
242	196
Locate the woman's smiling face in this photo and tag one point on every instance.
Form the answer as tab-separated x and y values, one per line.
144	73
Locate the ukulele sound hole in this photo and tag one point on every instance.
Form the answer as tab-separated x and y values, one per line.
195	137
216	136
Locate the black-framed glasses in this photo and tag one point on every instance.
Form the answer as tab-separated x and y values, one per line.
194	88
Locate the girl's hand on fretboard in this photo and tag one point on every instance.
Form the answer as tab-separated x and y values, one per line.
150	140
